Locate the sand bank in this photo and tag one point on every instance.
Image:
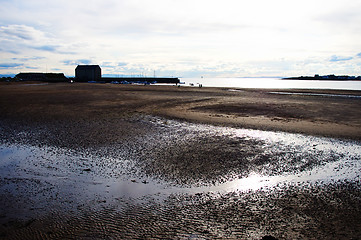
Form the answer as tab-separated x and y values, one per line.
326	115
117	161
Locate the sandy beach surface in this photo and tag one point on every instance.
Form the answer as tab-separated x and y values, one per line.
105	161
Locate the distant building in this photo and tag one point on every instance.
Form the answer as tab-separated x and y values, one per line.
43	77
86	73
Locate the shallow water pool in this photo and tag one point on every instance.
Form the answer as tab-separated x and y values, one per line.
45	174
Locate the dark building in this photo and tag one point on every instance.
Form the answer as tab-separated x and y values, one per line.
86	73
43	77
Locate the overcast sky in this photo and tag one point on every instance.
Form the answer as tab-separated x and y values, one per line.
184	38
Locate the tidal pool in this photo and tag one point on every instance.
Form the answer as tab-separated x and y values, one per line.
182	180
318	94
39	178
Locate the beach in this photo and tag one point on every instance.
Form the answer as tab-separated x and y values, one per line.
177	151
320	114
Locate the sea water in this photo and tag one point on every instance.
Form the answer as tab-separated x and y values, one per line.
271	83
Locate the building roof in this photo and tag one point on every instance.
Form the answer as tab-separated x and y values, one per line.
38	76
87	66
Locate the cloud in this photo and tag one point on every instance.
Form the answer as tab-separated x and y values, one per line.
141	36
8	50
77	62
113	64
24	59
21	32
47	48
335	58
28	67
10	65
19	38
108	64
344	18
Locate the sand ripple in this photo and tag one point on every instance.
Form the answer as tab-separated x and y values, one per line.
184	181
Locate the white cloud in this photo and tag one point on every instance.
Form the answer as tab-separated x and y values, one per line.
16	32
183	36
335	58
10	65
77	62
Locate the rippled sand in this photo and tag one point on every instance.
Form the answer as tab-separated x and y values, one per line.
113	174
182	181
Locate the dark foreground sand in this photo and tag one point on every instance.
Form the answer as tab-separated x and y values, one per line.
105	120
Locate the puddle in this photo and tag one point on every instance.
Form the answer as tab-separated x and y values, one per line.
85	176
318	94
235	90
108	185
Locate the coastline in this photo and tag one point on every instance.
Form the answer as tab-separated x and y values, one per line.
244	108
125	161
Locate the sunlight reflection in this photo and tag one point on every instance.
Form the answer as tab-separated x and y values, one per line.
272	83
252	182
272	157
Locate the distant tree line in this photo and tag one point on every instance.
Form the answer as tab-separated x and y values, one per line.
331	77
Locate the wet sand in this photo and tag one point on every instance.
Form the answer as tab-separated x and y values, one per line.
321	114
178	139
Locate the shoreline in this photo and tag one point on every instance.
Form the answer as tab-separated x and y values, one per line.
105	161
317	115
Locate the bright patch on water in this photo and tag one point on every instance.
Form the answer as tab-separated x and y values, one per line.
275	83
318	94
83	177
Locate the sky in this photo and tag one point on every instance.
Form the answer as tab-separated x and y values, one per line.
183	38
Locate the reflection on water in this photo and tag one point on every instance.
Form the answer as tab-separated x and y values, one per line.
272	83
318	94
252	182
103	193
81	177
344	169
337	160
